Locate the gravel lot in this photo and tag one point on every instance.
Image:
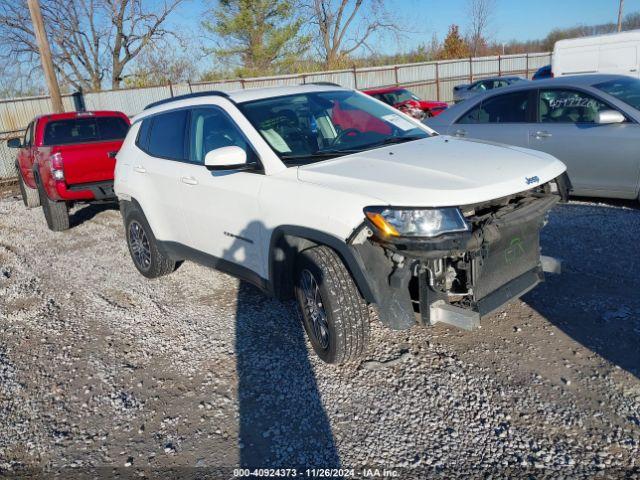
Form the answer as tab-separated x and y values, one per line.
100	367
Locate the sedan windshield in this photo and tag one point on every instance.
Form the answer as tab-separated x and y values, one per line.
626	90
314	126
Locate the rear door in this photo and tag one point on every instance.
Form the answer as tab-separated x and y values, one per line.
157	170
500	118
602	160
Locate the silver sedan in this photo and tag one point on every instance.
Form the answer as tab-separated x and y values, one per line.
590	122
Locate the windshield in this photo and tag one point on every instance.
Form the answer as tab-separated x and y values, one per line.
626	90
398	96
314	126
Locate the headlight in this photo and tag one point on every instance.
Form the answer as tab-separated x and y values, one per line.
413	222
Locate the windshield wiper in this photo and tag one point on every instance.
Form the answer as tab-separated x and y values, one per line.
319	154
393	140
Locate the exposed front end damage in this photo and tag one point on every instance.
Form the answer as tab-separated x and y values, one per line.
458	278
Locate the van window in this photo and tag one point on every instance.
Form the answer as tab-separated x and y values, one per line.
166	139
568	106
508	108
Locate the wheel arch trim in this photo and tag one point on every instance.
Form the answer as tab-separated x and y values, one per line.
298	239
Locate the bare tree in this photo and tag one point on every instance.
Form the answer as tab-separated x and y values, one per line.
91	40
344	26
480	15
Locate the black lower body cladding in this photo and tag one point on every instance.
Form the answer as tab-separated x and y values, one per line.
476	271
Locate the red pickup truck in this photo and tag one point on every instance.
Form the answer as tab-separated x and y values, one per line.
408	102
67	158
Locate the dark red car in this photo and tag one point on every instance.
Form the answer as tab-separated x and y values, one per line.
407	102
67	158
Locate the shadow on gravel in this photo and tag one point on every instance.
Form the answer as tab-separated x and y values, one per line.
595	300
283	423
282	419
84	214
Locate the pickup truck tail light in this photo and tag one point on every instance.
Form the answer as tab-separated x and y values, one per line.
57	170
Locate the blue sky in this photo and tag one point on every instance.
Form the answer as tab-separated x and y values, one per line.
513	19
523	19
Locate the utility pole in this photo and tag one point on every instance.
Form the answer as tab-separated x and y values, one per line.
45	55
620	10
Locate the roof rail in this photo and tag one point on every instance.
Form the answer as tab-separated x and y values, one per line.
188	95
327	84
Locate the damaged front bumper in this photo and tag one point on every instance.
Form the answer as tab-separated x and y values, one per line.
458	278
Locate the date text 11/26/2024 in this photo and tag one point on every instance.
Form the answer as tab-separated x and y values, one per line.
316	473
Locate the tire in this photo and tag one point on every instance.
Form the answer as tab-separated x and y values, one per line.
143	247
340	332
30	196
55	213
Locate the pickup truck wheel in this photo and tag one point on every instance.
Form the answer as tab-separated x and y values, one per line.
143	248
55	213
30	196
334	314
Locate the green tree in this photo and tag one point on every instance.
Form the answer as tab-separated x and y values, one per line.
259	36
454	45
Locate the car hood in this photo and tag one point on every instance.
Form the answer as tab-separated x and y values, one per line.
435	172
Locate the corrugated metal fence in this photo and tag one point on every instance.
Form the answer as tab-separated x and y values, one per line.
429	80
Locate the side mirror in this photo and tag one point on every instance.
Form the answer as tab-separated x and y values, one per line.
14	143
226	158
609	116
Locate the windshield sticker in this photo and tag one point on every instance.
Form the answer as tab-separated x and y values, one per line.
574	101
276	140
399	122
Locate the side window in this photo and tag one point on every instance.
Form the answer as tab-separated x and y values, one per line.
212	128
32	134
568	106
28	136
508	108
143	134
166	139
472	116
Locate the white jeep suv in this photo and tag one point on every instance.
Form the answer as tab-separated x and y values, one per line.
327	195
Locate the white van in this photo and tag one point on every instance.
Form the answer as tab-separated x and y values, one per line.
617	53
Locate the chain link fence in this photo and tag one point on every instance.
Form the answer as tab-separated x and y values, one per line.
429	80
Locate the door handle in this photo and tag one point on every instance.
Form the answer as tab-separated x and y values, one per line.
460	133
112	154
541	134
140	169
189	180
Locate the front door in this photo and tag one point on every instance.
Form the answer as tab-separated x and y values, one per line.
500	118
221	208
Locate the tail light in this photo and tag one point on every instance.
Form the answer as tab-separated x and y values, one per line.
57	170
